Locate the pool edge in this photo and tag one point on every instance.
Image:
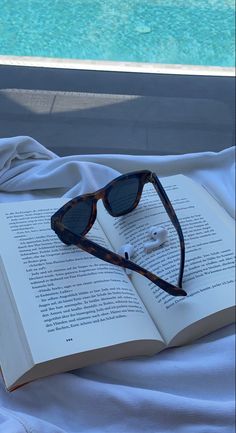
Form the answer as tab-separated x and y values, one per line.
113	66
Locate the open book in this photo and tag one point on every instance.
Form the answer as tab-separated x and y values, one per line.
62	308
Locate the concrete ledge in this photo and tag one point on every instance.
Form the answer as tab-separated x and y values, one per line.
97	65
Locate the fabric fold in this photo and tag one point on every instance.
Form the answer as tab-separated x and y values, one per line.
26	166
14	149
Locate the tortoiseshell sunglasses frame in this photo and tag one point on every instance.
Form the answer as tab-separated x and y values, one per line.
68	237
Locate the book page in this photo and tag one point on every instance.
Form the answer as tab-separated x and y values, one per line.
67	300
209	266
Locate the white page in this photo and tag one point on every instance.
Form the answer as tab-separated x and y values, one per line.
67	300
209	238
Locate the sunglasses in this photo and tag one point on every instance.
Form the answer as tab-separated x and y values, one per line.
120	196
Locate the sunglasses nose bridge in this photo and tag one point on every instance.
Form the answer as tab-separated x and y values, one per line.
100	195
106	203
103	195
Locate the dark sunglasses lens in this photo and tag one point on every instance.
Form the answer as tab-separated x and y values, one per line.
122	196
77	218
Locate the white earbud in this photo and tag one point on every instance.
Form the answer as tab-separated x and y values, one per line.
126	251
159	234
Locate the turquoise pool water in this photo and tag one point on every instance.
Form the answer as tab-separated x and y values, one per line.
197	32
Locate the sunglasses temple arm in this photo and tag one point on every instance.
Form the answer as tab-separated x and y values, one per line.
108	256
173	217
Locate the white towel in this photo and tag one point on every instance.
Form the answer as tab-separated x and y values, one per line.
185	390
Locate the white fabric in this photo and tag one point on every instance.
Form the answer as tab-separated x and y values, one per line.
184	390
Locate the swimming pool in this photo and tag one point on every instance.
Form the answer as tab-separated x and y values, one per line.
156	31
